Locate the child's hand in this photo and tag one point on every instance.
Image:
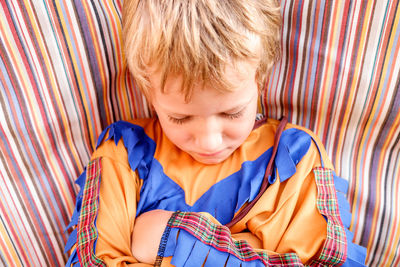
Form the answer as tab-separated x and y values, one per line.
147	233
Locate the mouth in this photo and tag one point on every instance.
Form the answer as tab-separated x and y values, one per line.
210	155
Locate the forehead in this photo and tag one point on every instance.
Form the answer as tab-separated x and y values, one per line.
205	99
204	102
236	73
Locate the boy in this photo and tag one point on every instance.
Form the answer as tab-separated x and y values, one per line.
160	191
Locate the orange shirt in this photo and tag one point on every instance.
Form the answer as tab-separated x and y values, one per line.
142	170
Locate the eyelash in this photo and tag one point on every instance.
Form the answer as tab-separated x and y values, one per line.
226	115
234	115
178	121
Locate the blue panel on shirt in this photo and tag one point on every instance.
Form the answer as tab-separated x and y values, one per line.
224	198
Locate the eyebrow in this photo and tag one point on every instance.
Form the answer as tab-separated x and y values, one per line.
231	110
240	106
236	109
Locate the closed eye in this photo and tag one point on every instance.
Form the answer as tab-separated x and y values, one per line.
179	120
233	115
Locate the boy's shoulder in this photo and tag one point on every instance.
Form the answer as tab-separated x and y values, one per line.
119	136
269	124
296	132
274	122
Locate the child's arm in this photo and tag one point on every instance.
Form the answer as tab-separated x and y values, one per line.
147	234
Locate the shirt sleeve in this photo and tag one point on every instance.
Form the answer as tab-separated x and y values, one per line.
118	197
106	208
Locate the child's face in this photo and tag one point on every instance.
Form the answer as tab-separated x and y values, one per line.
212	125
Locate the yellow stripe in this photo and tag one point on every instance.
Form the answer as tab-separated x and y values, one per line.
14	260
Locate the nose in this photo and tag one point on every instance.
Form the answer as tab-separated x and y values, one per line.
208	137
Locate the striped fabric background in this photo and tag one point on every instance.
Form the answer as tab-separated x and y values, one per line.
63	80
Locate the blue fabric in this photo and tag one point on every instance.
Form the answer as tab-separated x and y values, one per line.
224	198
183	249
293	145
216	258
186	251
344	209
73	237
170	241
349	234
199	253
73	258
140	147
341	184
71	240
352	263
356	254
78	202
233	262
283	157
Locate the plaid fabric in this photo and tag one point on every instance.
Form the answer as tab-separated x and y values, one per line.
87	232
334	251
286	259
219	237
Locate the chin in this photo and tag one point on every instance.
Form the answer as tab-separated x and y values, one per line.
210	161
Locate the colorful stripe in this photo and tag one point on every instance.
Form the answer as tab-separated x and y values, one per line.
340	77
63	80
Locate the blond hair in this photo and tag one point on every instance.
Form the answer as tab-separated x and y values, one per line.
198	38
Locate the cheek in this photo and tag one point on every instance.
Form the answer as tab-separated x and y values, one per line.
240	130
175	133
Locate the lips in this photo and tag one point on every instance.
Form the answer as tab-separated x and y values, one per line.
210	155
212	158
